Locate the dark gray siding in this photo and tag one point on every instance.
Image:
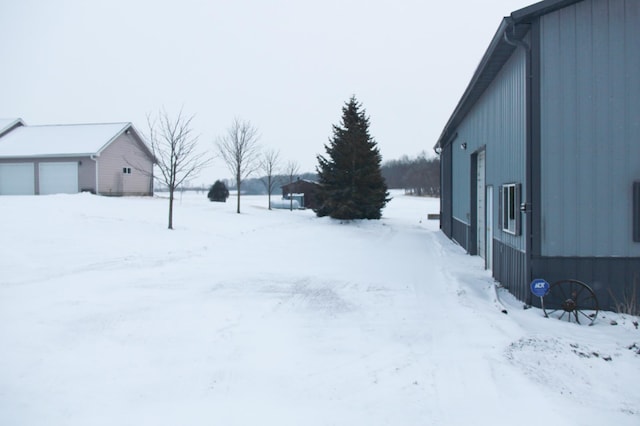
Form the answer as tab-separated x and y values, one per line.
446	193
509	269
460	233
590	132
609	277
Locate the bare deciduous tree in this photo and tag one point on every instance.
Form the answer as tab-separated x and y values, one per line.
174	146
239	149
291	170
268	165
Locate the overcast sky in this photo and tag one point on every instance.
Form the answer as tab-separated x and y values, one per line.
287	66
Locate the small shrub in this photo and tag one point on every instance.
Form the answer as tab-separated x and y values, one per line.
218	192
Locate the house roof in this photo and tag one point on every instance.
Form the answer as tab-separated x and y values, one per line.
512	27
299	181
71	140
6	124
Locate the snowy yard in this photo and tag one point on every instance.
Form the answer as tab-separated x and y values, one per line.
280	318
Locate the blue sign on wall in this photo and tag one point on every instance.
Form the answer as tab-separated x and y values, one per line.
539	287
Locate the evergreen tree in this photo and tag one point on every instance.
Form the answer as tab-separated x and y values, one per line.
218	192
351	182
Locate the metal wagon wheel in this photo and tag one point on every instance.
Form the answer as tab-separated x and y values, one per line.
573	300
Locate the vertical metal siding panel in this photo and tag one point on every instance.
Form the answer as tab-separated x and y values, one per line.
553	164
460	233
551	114
568	144
617	110
513	139
509	265
621	202
632	71
498	122
460	181
632	104
586	145
590	131
601	131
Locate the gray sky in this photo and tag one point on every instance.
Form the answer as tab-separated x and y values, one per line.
288	66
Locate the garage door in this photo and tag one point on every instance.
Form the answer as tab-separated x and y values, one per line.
58	178
17	179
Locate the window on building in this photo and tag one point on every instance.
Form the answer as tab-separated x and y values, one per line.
636	212
126	170
510	208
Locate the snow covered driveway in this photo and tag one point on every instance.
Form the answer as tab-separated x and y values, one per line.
280	318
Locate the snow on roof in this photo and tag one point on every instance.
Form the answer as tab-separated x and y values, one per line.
298	181
59	140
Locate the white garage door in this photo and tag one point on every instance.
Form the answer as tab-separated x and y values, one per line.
58	178
17	179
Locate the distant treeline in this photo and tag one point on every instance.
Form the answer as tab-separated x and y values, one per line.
419	176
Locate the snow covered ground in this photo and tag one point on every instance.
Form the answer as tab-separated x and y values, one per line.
280	318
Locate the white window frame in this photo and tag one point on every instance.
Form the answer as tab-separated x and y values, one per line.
126	170
510	208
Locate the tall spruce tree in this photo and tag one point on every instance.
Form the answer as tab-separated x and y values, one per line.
351	182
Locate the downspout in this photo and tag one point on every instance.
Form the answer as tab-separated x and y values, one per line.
437	149
515	42
525	206
444	169
95	159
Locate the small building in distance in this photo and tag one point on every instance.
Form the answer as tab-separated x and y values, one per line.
302	189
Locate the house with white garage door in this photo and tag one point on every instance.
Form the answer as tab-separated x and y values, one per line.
105	159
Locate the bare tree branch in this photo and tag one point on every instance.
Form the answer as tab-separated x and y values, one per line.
268	165
239	149
174	146
291	169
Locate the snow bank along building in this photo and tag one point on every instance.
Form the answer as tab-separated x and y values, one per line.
106	159
540	160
